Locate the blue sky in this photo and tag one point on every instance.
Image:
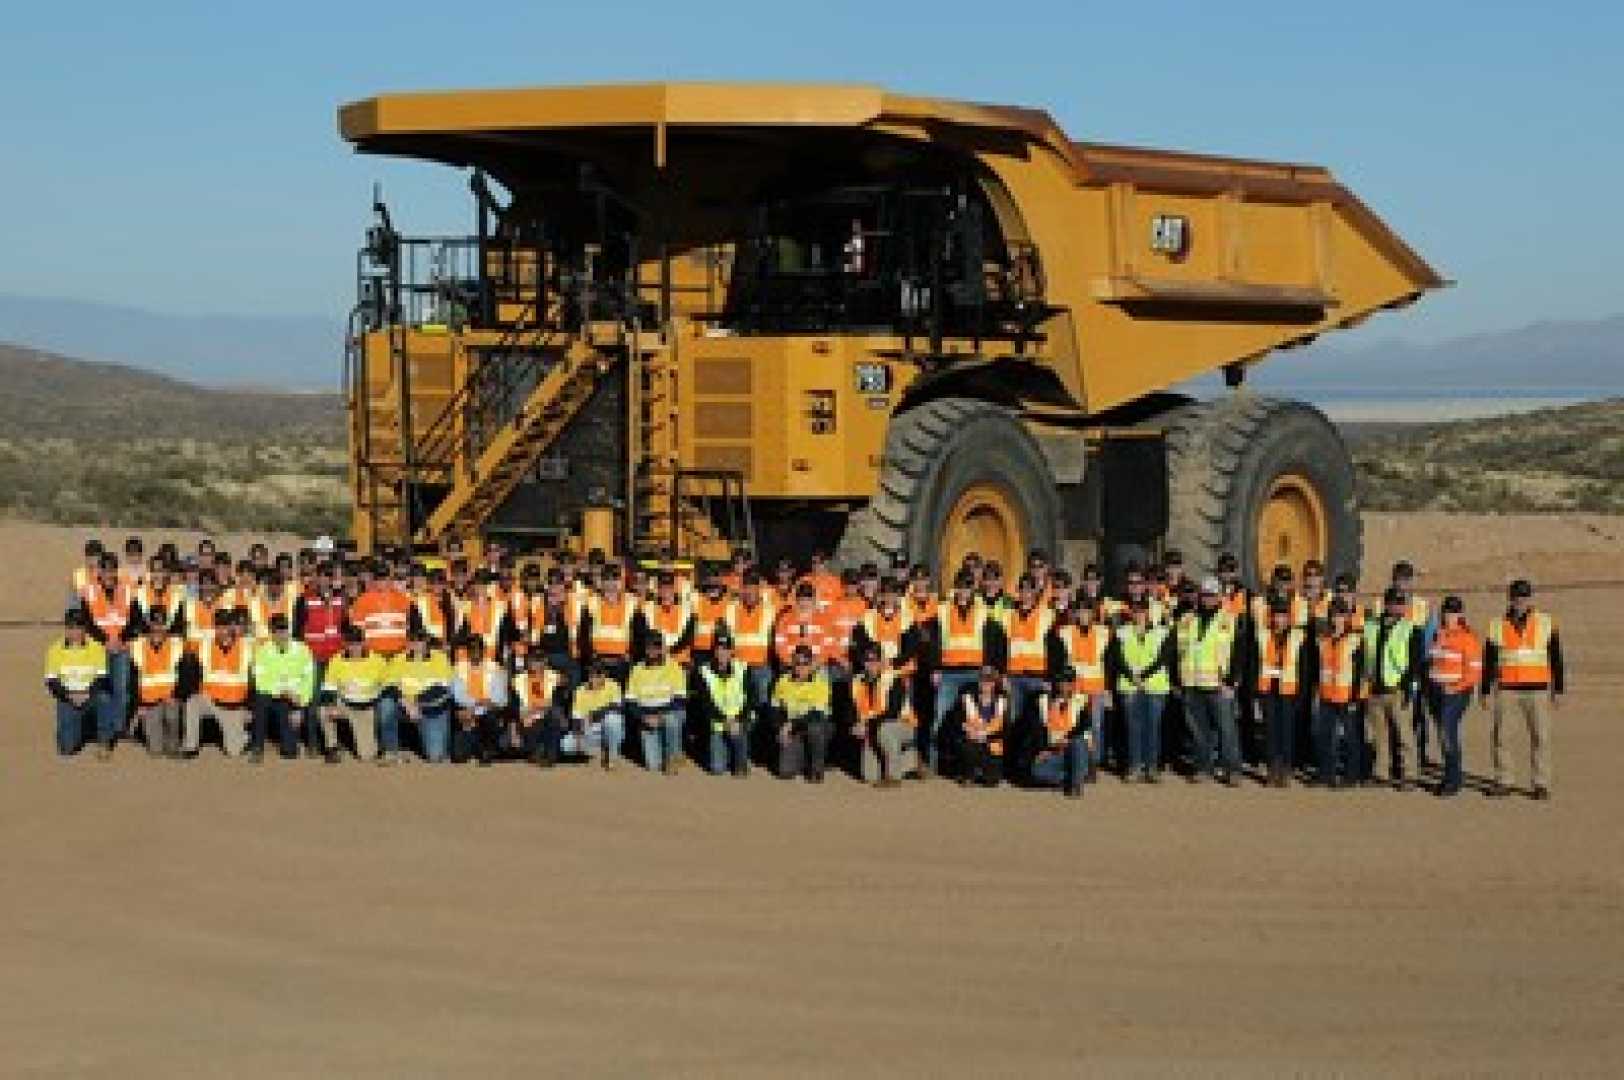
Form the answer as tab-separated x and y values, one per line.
182	157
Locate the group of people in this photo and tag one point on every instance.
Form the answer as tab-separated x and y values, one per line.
1046	680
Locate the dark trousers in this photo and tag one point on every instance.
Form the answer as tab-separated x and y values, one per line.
804	746
1280	730
1339	732
476	736
1451	710
981	765
290	720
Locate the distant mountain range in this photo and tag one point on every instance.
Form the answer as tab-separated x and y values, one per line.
273	352
303	353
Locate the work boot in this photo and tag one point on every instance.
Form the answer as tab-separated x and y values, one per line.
1074	791
1498	790
1542	794
332	757
609	764
255	757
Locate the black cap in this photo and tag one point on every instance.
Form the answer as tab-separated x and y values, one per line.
872	652
723	640
353	633
1454	605
1066	674
1522	589
1227	563
964	580
278	623
805	589
1404	568
802	652
1279	605
74	617
93	547
1138	603
1340	607
1394	596
1173	557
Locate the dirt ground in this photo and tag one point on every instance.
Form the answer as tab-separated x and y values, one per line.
204	919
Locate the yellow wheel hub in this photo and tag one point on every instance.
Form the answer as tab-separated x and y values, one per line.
986	521
1291	525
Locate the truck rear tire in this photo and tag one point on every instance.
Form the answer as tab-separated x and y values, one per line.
958	475
1268	480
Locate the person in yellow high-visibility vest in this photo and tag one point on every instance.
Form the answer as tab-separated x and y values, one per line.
76	677
1206	675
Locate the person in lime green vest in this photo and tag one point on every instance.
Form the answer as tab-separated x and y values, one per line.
1140	661
1206	678
76	677
727	706
284	686
1393	653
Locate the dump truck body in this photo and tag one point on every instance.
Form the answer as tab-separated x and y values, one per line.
773	274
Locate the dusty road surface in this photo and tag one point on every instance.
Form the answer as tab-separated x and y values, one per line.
211	919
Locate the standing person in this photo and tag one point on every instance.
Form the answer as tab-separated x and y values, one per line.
1279	669
158	597
824	581
1454	670
76	677
656	693
226	666
981	740
597	710
113	619
1142	660
749	620
1028	629
352	687
668	617
538	725
156	656
1523	675
1392	669
553	625
1081	643
318	620
1063	759
710	613
284	687
86	574
727	707
883	720
421	678
605	632
479	695
1425	621
1207	677
1337	727
969	639
383	612
803	701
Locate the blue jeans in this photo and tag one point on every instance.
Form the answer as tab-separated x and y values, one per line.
604	733
1338	730
1280	725
730	750
268	710
70	722
1143	712
1210	717
662	741
1096	724
433	728
1452	709
948	692
1062	767
119	673
389	714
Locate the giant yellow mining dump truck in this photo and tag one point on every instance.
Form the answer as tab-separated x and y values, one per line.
690	319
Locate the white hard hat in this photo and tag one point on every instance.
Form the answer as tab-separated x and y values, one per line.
325	543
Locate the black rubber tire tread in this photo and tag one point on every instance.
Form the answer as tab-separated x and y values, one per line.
937	443
1222	456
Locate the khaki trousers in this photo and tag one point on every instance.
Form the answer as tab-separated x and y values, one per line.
233	721
893	738
1535	709
161	723
363	721
1388	726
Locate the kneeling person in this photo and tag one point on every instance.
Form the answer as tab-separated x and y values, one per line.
284	686
727	704
655	691
352	687
156	657
884	724
76	676
597	713
805	718
1068	741
480	695
226	664
421	677
539	729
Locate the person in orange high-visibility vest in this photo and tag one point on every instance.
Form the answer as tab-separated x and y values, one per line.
114	620
803	623
968	638
750	620
1080	641
824	581
667	616
85	575
156	656
1062	757
1454	669
845	612
1338	729
981	736
383	613
1028	629
1523	674
223	696
710	612
605	631
1279	663
882	721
